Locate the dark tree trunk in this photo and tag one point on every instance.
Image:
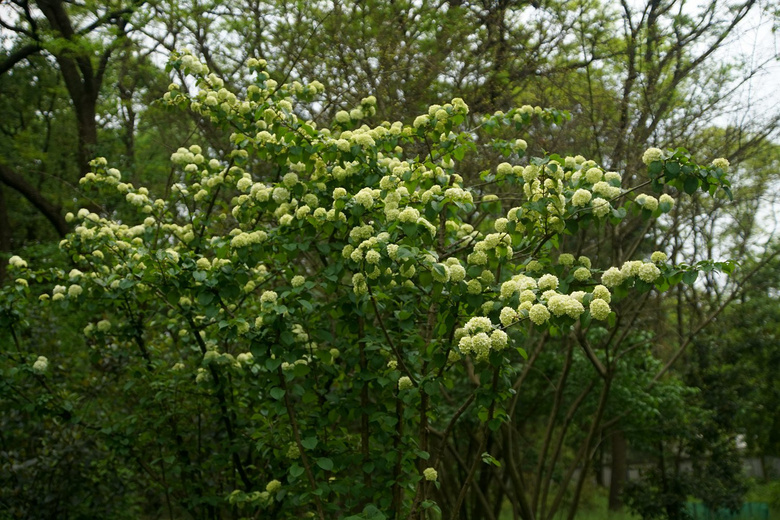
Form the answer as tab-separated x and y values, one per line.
5	232
619	469
53	213
82	78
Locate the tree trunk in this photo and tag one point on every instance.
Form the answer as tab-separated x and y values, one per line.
619	468
13	180
5	232
87	130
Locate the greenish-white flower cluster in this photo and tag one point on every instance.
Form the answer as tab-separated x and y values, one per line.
479	337
634	269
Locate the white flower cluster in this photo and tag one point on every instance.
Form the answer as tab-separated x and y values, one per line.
381	213
651	155
479	337
17	262
494	244
722	163
41	365
245	239
564	304
645	271
539	299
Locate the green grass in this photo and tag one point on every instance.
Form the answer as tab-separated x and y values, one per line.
593	505
766	492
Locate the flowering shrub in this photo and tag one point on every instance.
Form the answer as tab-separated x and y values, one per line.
324	298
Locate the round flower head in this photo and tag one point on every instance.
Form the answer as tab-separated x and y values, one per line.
504	169
273	486
599	309
666	199
245	358
533	266
612	277
566	259
18	262
721	163
473	286
405	383
477	258
365	198
457	273
652	155
372	256
293	451
601	207
649	272
539	314
581	197
508	316
104	325
527	296
600	292
268	297
582	274
480	345
478	324
41	365
548	281
441	273
430	474
499	340
650	203
594	175
658	257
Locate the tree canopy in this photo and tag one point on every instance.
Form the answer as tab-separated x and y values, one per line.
376	260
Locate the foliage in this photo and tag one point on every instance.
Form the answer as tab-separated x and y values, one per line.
297	326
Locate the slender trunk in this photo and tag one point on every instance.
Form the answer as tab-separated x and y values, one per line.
5	233
598	468
587	450
619	468
764	472
87	131
552	420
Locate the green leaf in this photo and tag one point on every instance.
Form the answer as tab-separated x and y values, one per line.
655	168
309	443
205	298
410	229
487	458
325	463
672	169
691	185
277	393
296	471
690	277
